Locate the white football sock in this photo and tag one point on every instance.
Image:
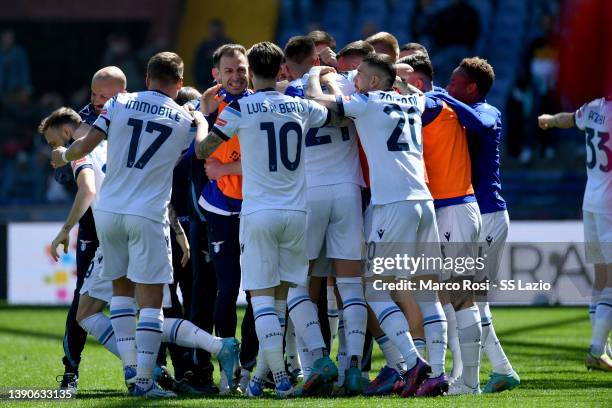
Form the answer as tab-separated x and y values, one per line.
354	314
435	327
453	340
148	338
305	357
342	358
490	343
123	320
305	319
332	312
393	322
603	322
99	326
186	334
421	346
393	356
469	332
291	351
595	294
269	334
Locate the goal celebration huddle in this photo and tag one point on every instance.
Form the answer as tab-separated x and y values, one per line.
294	177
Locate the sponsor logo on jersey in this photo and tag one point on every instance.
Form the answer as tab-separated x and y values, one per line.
447	235
220	122
489	239
380	233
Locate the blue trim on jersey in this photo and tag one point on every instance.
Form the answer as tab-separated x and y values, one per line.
340	103
234	111
215	197
447	202
101	130
88	114
294	91
220	133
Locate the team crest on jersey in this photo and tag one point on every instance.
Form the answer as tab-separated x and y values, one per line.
220	122
217	246
380	232
84	244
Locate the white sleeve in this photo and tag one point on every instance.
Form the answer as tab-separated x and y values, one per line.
353	105
318	115
106	115
228	120
580	116
85	162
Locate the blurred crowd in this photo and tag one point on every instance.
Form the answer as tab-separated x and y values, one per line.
27	177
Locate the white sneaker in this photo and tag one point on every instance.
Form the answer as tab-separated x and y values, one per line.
458	387
243	384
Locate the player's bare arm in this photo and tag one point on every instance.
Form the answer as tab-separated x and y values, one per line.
85	194
215	169
563	120
181	238
207	146
314	90
81	147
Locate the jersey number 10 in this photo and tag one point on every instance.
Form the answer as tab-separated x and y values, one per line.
283	133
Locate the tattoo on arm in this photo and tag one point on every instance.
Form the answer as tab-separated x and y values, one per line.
338	120
174	222
208	145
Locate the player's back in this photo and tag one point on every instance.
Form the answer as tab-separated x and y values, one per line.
331	155
595	119
271	128
389	127
146	132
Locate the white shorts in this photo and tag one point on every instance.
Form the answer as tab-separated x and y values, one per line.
403	227
134	246
334	220
459	227
598	237
273	249
491	243
96	287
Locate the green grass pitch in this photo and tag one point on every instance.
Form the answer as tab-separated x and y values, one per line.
545	345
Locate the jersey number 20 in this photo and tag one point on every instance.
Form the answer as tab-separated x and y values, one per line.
393	143
283	142
164	134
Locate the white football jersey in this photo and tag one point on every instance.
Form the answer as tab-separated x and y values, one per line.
389	127
96	161
146	133
271	128
332	155
595	119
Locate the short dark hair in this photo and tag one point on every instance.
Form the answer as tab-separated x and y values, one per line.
226	49
323	37
166	67
299	48
359	47
384	64
59	117
416	47
186	94
265	59
480	71
420	63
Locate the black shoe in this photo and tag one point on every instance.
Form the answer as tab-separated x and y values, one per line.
164	378
69	382
196	385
